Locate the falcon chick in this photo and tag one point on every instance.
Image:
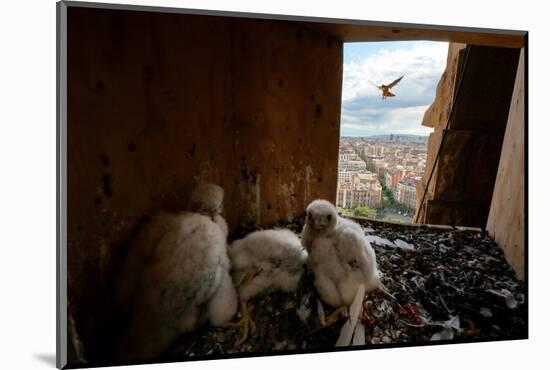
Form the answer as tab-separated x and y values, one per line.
176	277
386	88
262	262
207	199
340	256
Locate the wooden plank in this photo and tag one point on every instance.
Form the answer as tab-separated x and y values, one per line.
348	32
287	86
506	222
160	102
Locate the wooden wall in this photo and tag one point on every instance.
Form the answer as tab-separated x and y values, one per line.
159	102
461	188
506	223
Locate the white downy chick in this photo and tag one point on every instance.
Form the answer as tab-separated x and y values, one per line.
207	199
262	262
175	278
340	256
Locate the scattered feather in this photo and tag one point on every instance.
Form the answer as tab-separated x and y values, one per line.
356	307
303	312
378	240
453	323
355	311
384	290
445	334
359	335
511	301
485	312
321	313
509	298
403	244
346	333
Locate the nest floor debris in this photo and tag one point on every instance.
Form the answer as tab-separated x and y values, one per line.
442	285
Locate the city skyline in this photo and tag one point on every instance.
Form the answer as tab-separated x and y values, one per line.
377	178
385	134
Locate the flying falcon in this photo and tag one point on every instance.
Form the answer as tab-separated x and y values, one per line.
386	88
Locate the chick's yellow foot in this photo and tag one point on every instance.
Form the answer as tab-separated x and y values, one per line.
246	323
336	315
249	275
333	318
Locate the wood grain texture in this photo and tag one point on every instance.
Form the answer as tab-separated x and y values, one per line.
364	32
160	102
461	188
506	222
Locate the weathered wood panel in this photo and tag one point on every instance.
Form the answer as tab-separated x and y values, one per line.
159	102
467	167
506	221
358	31
287	120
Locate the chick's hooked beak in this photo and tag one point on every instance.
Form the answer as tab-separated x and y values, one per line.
319	223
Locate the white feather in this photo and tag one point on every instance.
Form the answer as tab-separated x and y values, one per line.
340	256
176	266
321	313
275	258
346	333
355	311
356	308
303	312
359	335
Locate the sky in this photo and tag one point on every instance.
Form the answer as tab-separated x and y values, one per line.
364	113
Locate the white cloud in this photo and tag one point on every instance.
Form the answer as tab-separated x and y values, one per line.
363	110
397	120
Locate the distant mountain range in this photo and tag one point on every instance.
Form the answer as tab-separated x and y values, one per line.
394	137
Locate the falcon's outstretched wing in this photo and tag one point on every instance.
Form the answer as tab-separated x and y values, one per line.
395	82
375	85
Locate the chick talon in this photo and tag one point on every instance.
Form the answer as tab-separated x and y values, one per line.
252	326
244	335
246	323
249	275
234	325
335	315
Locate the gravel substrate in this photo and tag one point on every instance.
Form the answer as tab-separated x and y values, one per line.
442	285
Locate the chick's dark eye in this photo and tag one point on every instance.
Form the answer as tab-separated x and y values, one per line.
329	217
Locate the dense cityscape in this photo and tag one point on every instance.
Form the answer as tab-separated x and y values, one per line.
377	176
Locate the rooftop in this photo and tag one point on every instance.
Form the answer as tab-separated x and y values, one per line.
409	181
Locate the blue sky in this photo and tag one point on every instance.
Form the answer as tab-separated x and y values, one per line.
364	113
